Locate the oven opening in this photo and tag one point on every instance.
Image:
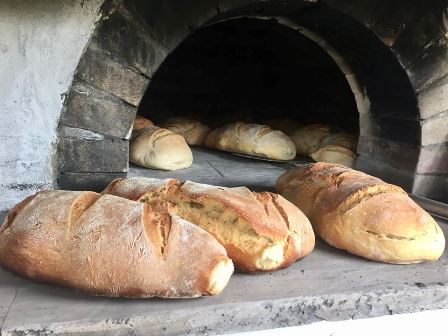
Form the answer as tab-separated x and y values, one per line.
252	71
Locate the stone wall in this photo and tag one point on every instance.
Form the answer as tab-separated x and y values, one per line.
40	46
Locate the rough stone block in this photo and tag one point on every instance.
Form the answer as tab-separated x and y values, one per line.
374	63
395	107
435	129
433	186
416	37
434	98
170	21
93	156
92	109
398	155
400	130
372	15
123	37
433	159
106	74
431	65
385	172
87	181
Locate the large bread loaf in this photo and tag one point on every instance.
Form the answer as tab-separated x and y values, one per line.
362	214
252	139
107	245
155	147
192	130
260	231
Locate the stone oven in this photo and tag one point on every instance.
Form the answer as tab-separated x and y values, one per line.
378	67
75	73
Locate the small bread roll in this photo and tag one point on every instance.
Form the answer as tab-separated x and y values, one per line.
342	139
155	147
252	139
141	122
192	130
308	138
335	154
338	148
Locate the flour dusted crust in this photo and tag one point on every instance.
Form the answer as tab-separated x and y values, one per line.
338	148
341	139
107	245
141	122
155	147
335	154
362	214
307	139
260	231
192	130
252	139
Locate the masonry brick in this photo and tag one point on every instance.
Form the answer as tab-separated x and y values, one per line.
106	74
95	110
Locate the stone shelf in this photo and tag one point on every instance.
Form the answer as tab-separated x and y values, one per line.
326	285
329	284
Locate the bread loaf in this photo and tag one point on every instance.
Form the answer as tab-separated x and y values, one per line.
252	139
107	245
155	147
141	122
341	139
307	139
362	214
335	154
192	130
260	231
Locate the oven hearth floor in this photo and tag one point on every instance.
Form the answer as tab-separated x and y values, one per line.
329	284
224	169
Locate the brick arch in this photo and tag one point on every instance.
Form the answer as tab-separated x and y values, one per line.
133	38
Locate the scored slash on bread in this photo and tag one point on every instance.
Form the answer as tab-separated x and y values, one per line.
108	245
252	139
260	231
362	214
192	130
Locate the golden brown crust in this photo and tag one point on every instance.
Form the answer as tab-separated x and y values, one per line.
362	214
307	139
248	224
337	148
192	130
141	122
116	246
252	139
155	147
